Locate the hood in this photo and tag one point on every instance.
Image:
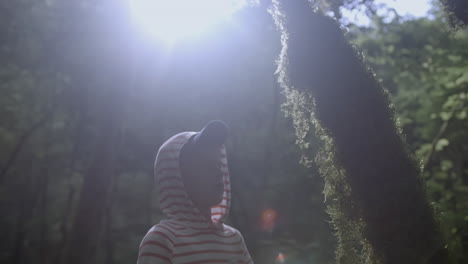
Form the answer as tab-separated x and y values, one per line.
173	199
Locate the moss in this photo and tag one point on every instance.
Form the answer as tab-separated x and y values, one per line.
375	197
457	12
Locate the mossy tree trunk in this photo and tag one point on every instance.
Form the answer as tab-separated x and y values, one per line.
376	198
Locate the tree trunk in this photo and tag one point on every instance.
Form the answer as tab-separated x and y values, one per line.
114	84
29	198
352	113
24	214
108	240
94	195
43	216
44	256
67	211
60	254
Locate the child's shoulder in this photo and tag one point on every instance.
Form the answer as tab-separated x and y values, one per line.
170	228
230	229
170	239
157	244
172	231
158	228
159	232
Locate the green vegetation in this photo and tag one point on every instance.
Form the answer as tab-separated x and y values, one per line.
425	67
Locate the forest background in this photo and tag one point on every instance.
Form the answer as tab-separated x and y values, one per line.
87	100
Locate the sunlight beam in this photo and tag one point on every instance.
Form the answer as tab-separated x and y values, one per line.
171	20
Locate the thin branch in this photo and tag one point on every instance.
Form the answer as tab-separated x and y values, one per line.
19	144
440	133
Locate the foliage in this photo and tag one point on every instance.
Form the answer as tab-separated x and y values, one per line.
424	64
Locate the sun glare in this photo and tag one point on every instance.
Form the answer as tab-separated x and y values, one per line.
170	20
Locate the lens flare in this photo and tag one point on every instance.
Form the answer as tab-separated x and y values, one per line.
170	20
280	258
268	219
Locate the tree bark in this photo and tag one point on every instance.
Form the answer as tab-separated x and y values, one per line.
353	112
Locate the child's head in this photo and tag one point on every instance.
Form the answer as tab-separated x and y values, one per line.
201	165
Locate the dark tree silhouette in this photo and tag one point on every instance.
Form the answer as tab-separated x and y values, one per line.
374	181
457	11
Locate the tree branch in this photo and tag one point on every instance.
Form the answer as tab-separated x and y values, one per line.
19	144
442	129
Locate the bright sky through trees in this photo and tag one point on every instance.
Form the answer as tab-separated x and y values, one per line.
411	8
175	19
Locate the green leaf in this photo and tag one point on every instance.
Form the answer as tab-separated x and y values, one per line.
446	165
450	85
454	230
441	144
462	114
445	115
462	79
423	150
455	58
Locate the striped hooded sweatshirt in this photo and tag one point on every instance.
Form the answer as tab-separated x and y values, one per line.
186	236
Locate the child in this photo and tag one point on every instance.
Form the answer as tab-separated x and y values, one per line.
194	193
